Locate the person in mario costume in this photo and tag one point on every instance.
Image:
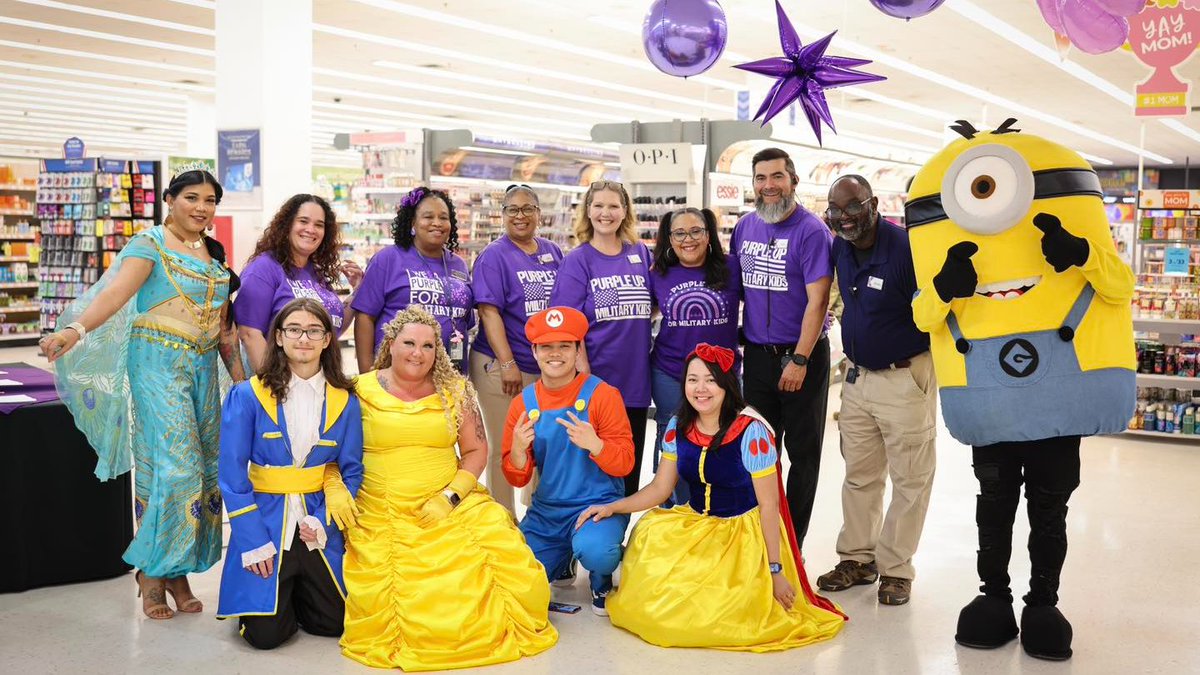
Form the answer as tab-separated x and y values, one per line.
572	428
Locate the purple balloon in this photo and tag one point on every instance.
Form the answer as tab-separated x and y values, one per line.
1050	12
1125	8
907	9
684	37
1091	28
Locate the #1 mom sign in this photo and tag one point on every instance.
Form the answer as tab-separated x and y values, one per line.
1164	36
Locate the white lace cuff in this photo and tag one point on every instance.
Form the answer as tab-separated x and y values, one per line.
264	552
322	537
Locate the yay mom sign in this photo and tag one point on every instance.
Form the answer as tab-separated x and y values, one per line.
1164	38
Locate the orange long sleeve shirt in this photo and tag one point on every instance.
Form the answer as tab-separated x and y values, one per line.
606	413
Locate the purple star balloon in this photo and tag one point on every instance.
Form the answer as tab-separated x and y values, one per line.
804	72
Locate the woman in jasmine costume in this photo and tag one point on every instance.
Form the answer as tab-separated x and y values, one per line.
437	574
723	570
143	386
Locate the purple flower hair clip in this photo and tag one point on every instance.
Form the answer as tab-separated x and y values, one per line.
414	197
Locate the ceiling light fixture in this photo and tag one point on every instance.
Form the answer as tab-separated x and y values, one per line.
92	11
91	56
180	100
494	30
541	91
427	105
508	66
96	35
460	93
104	76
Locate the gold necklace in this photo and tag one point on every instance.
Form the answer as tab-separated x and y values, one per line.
194	245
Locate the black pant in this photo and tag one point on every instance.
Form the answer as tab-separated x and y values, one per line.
307	595
637	422
798	419
1049	468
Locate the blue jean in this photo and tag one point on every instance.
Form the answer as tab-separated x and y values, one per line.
667	393
551	535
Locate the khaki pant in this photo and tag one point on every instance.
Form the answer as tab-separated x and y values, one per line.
493	403
888	424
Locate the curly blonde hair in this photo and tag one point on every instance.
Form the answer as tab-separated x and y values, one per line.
454	390
584	231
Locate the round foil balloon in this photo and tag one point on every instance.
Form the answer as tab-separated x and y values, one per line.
907	9
684	37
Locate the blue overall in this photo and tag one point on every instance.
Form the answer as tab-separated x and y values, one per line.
570	482
1029	386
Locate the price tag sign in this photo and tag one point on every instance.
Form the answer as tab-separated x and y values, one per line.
1177	260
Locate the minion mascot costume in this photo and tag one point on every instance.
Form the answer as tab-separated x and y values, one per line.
1027	307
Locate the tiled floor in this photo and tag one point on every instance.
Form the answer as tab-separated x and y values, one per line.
1137	508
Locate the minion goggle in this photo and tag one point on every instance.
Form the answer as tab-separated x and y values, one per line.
990	188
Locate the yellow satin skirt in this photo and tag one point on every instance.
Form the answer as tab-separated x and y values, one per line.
465	592
689	580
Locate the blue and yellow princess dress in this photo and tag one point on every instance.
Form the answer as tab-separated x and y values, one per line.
464	592
144	389
697	575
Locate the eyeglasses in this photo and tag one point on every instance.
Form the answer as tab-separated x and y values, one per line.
852	210
607	185
527	210
314	334
695	234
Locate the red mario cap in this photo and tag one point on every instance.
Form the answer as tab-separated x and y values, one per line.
556	324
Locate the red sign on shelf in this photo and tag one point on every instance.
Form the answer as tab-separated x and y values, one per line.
1176	200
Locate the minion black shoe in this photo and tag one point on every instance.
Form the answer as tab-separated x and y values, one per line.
1046	633
987	623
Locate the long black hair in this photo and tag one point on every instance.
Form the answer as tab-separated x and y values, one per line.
276	373
215	249
716	268
406	214
730	407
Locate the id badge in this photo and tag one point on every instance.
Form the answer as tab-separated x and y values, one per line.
457	347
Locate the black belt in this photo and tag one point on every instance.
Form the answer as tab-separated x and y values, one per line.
780	349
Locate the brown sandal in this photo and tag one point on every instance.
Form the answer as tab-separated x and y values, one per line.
190	605
154	605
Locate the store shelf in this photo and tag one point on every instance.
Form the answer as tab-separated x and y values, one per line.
1162	435
14	258
19	336
1175	326
18	309
1174	381
15	212
15	286
18	186
1167	242
365	190
16	237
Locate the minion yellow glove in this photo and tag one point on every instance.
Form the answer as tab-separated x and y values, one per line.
339	504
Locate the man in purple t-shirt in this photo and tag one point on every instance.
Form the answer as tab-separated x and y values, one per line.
784	255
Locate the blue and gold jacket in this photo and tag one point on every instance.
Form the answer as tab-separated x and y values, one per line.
256	473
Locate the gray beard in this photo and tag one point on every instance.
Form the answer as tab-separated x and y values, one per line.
774	213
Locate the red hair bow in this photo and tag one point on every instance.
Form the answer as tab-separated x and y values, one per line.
722	357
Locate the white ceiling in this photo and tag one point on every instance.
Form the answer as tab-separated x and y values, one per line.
115	74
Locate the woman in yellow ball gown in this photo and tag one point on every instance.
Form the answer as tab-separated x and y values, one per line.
721	571
437	574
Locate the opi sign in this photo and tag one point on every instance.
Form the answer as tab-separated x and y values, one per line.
656	162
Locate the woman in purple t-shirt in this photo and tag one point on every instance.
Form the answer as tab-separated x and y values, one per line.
696	288
608	277
421	269
512	280
296	257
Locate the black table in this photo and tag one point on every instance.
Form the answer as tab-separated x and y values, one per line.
63	524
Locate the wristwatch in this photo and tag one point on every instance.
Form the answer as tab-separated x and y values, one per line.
452	497
775	568
798	359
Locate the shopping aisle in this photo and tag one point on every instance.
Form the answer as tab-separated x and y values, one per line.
1137	500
